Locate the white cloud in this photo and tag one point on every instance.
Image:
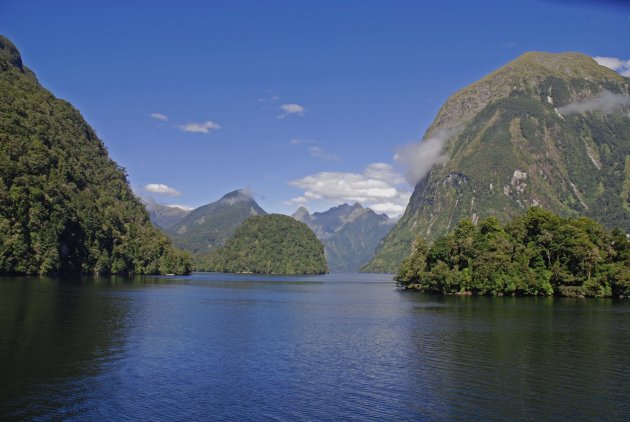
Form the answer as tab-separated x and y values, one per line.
605	102
618	65
161	189
382	171
301	141
419	158
292	109
204	127
377	187
159	116
320	153
180	206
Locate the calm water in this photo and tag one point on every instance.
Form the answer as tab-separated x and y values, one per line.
233	347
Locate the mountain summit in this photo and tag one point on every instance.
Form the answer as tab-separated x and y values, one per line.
546	129
209	226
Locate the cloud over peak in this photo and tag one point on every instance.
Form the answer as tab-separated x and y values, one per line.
161	189
376	187
418	158
616	64
203	127
605	102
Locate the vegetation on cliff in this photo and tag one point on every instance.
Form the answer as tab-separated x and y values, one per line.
270	244
538	253
65	206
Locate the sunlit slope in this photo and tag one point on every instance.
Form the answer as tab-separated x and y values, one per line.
516	141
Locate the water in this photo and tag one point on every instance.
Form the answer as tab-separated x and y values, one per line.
228	347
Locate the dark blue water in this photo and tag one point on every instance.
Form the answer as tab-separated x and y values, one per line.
228	347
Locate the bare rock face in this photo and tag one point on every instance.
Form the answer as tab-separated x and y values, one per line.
551	130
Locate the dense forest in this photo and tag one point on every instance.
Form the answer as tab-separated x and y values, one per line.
270	244
65	206
538	253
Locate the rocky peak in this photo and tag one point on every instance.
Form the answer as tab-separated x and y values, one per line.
524	74
236	196
301	214
9	55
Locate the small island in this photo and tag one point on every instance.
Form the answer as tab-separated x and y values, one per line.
537	253
269	244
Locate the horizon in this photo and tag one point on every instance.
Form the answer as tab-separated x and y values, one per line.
301	104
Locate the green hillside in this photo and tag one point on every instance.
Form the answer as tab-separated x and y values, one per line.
270	244
515	144
65	206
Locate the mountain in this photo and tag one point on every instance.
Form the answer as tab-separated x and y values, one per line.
350	234
209	226
164	216
546	129
65	206
270	244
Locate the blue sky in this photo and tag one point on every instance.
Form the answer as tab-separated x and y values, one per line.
300	102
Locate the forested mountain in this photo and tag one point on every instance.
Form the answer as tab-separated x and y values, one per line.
350	234
164	216
537	253
65	206
269	244
210	226
546	129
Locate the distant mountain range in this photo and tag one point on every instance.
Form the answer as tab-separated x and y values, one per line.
350	234
546	129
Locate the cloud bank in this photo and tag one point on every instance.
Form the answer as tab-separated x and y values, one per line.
161	189
204	127
605	102
618	65
419	158
159	116
377	187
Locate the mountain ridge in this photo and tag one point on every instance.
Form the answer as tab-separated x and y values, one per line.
512	148
211	225
349	233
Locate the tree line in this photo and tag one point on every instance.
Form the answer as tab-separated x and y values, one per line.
537	253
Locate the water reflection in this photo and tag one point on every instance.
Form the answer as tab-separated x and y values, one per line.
50	334
343	346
